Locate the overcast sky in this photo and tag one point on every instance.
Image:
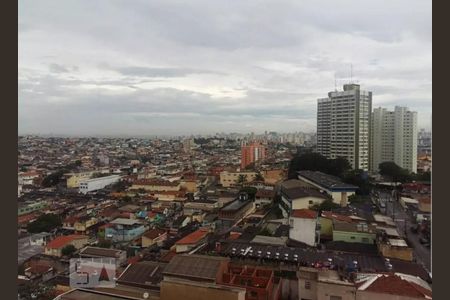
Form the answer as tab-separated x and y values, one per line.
182	67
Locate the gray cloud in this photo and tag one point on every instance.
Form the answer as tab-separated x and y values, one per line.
168	67
55	68
158	72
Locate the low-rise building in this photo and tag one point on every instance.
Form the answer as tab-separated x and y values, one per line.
295	195
234	211
303	226
73	179
228	179
154	236
96	252
124	230
354	232
55	247
191	241
332	185
156	185
395	248
94	184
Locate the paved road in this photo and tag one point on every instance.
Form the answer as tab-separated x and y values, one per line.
404	223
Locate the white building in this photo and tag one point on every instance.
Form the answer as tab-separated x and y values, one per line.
303	226
343	124
94	184
394	138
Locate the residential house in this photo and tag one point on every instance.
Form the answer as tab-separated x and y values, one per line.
191	241
354	232
124	230
303	226
294	195
338	190
326	223
55	247
96	252
154	236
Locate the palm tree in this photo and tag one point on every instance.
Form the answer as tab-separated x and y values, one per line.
242	179
259	177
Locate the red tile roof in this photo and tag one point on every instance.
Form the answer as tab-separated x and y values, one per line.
156	182
234	235
333	216
26	218
393	284
193	238
304	213
151	214
64	240
168	256
154	233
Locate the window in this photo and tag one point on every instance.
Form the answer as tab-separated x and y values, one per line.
307	285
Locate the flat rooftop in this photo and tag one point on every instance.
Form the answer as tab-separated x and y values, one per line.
235	205
326	181
123	221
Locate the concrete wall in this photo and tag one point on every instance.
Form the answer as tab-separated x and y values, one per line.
303	230
326	290
366	295
305	202
228	179
74	180
358	237
188	290
403	253
326	226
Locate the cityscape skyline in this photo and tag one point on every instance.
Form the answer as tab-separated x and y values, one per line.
177	70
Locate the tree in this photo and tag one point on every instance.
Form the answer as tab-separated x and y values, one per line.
119	186
395	172
250	166
360	179
44	223
251	191
53	179
265	231
425	176
338	166
315	162
259	177
326	205
68	250
104	244
242	179
126	199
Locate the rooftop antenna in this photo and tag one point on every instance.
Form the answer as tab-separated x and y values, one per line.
351	73
335	85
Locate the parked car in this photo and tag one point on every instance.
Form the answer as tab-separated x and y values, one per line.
423	241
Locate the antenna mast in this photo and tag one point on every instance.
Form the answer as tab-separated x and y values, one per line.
351	73
335	85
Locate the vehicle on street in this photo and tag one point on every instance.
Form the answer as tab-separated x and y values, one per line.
423	241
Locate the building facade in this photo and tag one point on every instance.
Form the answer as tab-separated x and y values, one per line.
252	153
394	138
95	184
343	125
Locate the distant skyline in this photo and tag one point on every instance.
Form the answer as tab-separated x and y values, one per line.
143	68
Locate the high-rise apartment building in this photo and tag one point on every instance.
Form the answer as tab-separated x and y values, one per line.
343	125
394	138
252	153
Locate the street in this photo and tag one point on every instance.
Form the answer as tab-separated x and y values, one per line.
404	222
